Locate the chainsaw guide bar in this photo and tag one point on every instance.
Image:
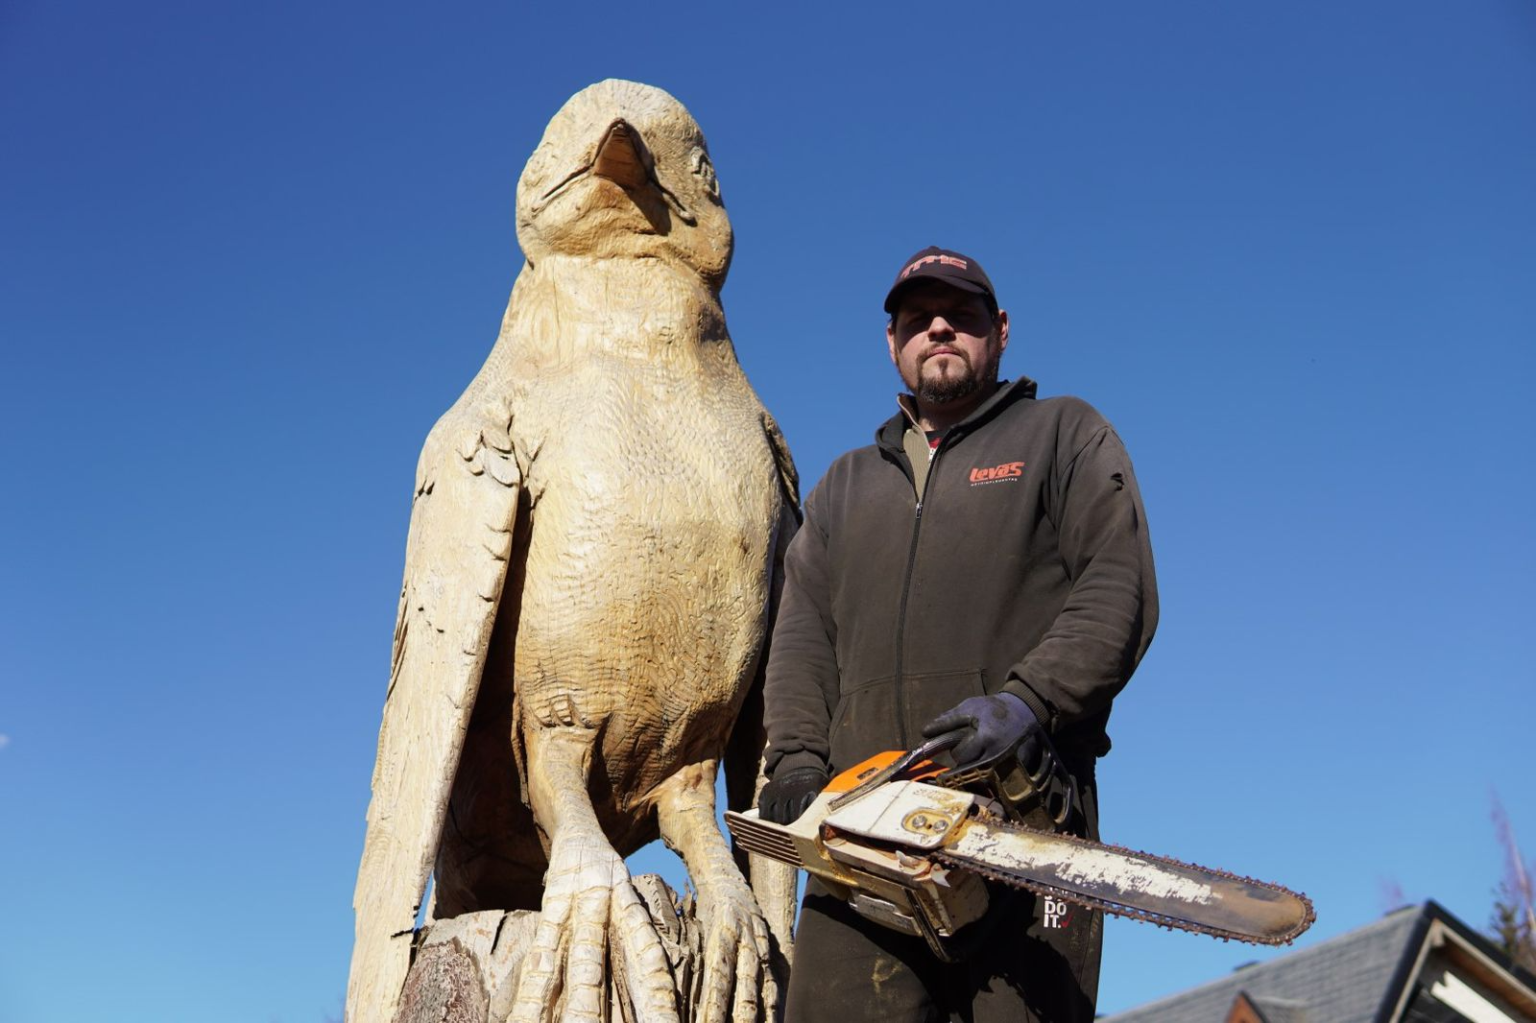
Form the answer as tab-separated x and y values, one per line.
1125	882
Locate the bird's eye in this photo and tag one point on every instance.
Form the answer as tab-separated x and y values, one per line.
705	172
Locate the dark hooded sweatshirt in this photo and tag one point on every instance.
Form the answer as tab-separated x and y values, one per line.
1025	568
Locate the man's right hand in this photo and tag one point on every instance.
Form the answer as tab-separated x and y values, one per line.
788	795
992	725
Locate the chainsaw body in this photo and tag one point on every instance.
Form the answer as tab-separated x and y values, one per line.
873	851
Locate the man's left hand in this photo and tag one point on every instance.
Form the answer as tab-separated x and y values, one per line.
993	725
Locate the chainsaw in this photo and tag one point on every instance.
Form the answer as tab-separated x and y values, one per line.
913	845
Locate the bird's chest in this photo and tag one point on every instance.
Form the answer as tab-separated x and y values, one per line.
645	563
655	484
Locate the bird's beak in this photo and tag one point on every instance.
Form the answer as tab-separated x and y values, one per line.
621	156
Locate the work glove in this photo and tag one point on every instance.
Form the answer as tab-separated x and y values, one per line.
788	795
993	725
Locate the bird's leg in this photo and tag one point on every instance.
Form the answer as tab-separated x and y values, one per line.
738	986
591	915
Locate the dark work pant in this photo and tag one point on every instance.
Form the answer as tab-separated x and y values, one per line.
1037	961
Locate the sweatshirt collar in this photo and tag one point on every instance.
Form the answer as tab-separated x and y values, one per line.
888	436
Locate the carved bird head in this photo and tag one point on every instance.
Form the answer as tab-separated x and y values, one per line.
623	172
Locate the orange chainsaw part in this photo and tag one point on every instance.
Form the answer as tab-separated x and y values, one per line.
859	773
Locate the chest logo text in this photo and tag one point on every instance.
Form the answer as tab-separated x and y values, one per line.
1004	473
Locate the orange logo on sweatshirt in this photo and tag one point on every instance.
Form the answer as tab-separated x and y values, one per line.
997	474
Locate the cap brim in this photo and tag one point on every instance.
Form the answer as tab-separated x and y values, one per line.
958	283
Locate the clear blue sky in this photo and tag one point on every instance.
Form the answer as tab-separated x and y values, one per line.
249	253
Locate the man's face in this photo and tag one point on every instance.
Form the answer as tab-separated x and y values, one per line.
945	343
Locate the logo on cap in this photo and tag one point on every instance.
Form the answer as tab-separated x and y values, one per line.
942	260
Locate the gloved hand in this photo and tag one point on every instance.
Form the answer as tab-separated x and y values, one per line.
787	795
993	723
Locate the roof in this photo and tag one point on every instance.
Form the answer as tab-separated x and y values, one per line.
1341	980
1374	974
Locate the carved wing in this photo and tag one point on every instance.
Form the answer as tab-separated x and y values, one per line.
462	524
789	476
773	883
747	744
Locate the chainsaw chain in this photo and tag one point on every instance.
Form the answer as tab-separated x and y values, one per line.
1120	909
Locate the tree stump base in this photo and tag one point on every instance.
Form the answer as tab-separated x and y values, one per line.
463	968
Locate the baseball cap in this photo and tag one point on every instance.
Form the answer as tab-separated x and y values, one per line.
945	266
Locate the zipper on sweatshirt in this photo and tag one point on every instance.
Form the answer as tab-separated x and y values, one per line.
906	590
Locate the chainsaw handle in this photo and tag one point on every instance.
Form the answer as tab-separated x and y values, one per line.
938	744
1042	777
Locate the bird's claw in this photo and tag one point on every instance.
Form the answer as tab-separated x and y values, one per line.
591	912
736	956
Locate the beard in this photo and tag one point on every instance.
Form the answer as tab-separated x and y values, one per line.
944	389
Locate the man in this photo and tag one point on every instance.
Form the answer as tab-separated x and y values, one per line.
985	565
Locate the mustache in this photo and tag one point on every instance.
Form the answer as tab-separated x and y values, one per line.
947	350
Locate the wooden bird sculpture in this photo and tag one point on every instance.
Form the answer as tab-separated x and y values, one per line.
589	571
